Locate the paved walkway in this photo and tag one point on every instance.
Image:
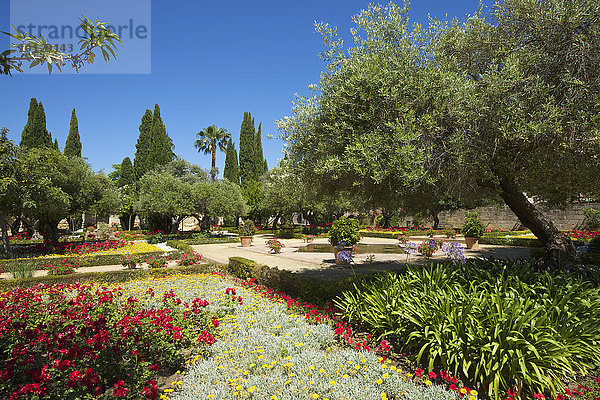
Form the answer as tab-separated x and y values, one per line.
322	265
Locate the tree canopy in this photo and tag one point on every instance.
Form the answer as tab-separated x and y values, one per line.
497	104
209	140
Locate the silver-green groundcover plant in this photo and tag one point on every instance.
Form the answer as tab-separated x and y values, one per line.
265	353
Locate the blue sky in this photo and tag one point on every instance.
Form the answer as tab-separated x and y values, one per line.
210	62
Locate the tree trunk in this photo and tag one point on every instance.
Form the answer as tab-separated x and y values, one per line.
214	161
436	221
5	239
560	253
49	230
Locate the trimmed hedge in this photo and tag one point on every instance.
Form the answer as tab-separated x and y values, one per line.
510	241
106	277
179	245
292	284
213	240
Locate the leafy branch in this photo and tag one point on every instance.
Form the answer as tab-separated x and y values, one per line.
39	51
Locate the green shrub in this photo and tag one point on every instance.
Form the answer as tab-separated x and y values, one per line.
486	322
592	219
344	232
510	241
179	245
472	227
247	229
21	270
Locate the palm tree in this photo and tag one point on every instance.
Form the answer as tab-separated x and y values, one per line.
208	141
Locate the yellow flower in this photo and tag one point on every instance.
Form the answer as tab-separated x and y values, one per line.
322	371
472	398
384	396
251	389
474	392
332	382
463	390
379	381
428	382
314	396
385	376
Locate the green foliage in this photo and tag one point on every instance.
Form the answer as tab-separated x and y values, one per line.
231	171
487	322
179	245
260	162
22	270
344	232
35	134
209	140
73	143
126	173
472	227
253	196
220	198
248	171
154	146
592	218
165	200
247	228
38	50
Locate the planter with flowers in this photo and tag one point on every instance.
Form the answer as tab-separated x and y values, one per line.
343	236
246	232
274	245
472	230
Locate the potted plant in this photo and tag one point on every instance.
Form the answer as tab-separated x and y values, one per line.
246	231
274	245
343	236
472	230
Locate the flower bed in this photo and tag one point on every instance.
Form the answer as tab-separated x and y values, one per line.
72	341
104	257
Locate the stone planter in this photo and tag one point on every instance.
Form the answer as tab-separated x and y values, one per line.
338	250
246	241
472	243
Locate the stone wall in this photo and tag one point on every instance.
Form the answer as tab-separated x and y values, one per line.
503	218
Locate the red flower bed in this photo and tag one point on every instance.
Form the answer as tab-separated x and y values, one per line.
71	249
73	341
584	235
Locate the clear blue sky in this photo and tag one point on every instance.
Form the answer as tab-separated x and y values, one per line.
210	62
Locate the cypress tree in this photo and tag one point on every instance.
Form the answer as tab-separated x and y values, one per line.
247	150
142	162
154	146
231	171
127	174
73	143
260	163
162	146
55	145
35	134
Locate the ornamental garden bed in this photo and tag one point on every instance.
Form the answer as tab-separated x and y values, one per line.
269	344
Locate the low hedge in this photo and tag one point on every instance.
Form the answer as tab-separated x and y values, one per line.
510	241
85	261
292	284
288	234
212	240
106	277
179	245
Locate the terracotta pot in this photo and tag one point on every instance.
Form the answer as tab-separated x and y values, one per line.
338	250
246	241
472	243
277	250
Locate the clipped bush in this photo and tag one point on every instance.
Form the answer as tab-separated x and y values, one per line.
592	219
247	228
344	232
472	227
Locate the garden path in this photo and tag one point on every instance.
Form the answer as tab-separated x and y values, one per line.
322	265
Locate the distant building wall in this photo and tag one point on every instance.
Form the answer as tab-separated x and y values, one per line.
503	218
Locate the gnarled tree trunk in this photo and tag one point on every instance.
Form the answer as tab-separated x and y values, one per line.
560	253
5	239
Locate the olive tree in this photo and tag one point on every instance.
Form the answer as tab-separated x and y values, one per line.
500	105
